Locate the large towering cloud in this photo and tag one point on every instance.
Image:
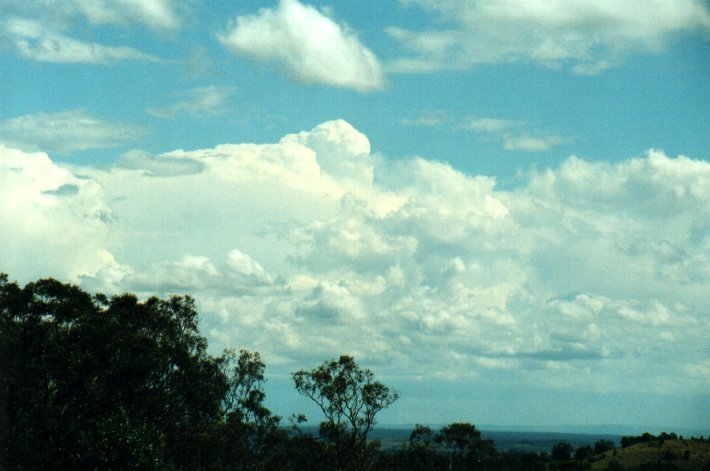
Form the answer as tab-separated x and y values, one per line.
311	247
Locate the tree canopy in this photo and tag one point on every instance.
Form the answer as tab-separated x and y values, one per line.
96	382
350	398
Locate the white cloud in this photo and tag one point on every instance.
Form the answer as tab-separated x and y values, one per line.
197	102
307	44
491	124
156	14
53	222
47	31
428	118
36	40
531	143
306	248
514	135
590	36
66	132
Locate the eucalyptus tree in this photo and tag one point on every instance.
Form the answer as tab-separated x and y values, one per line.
350	399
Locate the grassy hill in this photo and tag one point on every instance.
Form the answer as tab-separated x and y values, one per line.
691	455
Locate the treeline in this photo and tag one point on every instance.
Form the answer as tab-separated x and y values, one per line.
97	382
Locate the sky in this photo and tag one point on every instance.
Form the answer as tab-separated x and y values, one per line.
500	207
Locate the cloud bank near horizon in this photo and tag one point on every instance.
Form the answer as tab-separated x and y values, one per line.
312	247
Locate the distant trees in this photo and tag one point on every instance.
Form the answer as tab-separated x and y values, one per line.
602	446
350	399
464	445
562	451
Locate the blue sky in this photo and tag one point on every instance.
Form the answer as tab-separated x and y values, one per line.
501	207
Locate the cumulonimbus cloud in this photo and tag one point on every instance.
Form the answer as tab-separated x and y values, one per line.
307	44
303	249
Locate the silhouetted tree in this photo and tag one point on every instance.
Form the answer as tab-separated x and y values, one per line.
350	399
464	445
583	453
421	452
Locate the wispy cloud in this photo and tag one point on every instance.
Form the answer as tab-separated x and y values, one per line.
428	118
532	143
156	14
47	31
66	132
197	102
588	36
34	40
514	135
307	44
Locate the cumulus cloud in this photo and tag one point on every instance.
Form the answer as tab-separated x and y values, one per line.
53	222
66	132
197	102
308	248
309	45
588	36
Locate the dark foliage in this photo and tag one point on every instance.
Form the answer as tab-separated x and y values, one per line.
350	400
90	382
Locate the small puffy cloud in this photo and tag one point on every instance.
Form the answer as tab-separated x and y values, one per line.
589	36
66	132
197	102
309	45
37	41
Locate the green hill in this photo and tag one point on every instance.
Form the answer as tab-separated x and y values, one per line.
659	455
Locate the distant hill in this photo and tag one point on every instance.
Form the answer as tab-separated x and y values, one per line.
504	440
690	455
